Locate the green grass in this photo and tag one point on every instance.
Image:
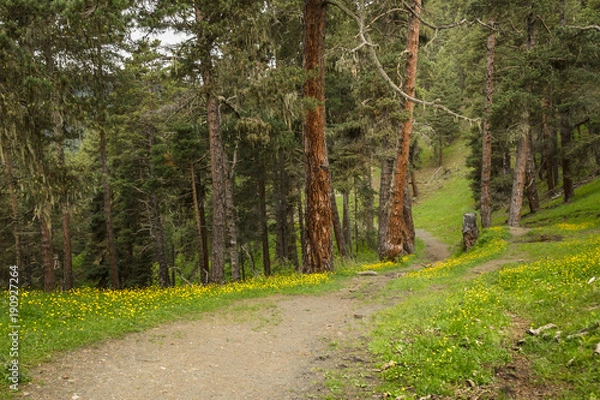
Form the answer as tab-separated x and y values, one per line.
452	329
441	212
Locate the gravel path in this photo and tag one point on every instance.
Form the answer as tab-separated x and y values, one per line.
257	349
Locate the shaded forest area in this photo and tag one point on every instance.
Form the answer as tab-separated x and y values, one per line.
127	164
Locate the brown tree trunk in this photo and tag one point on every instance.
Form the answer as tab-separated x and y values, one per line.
14	205
264	227
486	154
47	253
516	198
337	228
395	238
219	183
385	181
319	252
110	235
565	141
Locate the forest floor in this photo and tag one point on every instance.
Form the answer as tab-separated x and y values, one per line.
269	348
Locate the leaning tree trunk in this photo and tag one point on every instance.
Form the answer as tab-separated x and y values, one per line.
319	251
486	154
396	230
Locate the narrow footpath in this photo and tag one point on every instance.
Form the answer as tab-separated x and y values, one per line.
257	349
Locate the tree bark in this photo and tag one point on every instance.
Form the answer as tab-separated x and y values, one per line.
301	218
319	252
385	181
217	160
337	227
395	237
486	154
516	198
110	235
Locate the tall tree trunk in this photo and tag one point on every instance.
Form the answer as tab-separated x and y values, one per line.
110	235
319	252
565	141
395	237
346	223
385	181
516	198
264	227
337	227
14	205
47	253
219	183
231	225
486	154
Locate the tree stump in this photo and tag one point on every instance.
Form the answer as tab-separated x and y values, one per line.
470	230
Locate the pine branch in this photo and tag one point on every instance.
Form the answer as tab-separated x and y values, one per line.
368	43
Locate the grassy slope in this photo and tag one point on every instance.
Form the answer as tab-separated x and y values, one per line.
459	327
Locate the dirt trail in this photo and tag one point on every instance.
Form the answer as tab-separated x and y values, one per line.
258	349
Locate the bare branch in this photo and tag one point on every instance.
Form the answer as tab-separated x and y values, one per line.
366	42
584	28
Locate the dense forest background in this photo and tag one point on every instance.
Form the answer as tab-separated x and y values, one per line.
128	164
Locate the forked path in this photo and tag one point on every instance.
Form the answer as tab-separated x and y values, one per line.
257	349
